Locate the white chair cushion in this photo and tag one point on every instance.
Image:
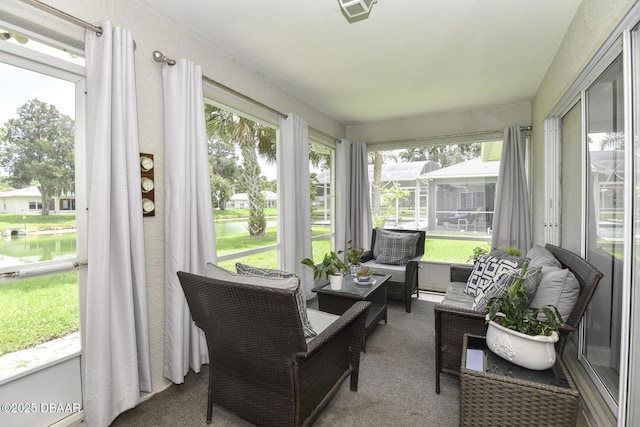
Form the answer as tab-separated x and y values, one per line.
457	297
320	320
397	272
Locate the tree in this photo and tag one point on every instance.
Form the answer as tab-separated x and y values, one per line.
38	148
221	191
444	155
253	139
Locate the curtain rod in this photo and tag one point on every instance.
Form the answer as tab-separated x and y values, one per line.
64	15
161	58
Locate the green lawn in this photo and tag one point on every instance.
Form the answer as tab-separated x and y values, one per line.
453	251
37	222
37	310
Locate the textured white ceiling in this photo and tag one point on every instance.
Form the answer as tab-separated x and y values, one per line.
408	57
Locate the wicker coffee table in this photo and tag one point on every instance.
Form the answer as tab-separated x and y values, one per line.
501	393
337	301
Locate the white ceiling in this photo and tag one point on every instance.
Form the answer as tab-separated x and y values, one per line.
408	57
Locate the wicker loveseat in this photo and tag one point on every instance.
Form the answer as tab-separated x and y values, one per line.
261	366
404	278
452	322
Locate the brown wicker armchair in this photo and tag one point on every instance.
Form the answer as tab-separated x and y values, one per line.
404	278
260	366
452	323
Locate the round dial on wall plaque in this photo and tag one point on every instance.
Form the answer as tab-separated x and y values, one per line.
147	206
147	184
146	163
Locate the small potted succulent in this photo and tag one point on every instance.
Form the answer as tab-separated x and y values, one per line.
331	267
364	275
517	332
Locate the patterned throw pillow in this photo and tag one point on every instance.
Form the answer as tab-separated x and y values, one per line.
384	232
396	248
504	281
486	267
279	274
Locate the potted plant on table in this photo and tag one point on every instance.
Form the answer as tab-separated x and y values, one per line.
354	256
331	267
517	332
364	275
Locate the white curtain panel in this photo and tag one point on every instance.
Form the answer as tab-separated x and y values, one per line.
295	209
189	233
353	205
359	198
116	338
512	214
342	186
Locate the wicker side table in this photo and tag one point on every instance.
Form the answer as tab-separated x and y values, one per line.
506	394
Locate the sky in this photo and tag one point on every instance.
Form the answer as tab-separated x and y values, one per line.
17	86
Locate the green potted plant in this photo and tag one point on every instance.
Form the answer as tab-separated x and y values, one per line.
331	267
480	250
517	333
354	256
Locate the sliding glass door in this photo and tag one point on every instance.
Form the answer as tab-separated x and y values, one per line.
605	216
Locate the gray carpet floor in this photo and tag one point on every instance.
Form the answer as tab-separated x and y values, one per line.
396	386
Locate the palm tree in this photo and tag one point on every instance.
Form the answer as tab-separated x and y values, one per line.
253	139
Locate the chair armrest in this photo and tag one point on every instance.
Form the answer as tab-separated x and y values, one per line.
461	272
366	256
356	315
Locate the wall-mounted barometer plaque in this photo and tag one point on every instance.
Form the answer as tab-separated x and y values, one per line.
147	184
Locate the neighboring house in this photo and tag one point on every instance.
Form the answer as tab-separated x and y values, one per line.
29	200
241	200
404	174
461	195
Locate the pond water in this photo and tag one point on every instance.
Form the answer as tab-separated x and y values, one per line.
25	249
19	250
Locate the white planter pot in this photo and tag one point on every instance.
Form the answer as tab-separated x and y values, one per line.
335	281
532	352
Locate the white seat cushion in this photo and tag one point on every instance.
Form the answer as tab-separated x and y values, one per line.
457	297
320	320
397	272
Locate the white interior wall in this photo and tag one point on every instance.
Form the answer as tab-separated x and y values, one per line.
438	125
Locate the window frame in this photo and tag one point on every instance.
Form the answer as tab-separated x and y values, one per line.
32	60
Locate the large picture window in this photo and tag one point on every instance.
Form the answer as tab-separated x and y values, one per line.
446	190
244	190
